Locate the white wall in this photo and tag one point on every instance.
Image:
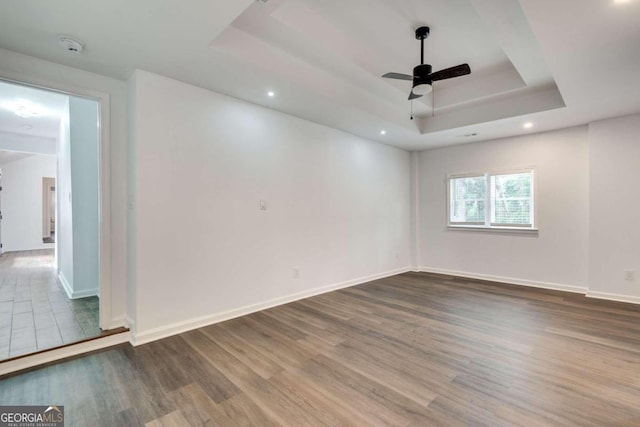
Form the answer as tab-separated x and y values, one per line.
338	206
64	225
22	202
557	256
78	165
83	129
615	207
25	68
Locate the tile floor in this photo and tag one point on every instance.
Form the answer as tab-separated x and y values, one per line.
35	313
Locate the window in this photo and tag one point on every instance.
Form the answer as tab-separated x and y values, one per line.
491	200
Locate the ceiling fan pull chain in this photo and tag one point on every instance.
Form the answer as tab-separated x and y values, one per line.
433	102
411	102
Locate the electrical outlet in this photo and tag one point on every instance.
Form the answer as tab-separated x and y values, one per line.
296	273
629	275
263	205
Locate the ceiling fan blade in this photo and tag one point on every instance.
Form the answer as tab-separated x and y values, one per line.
398	76
413	96
449	73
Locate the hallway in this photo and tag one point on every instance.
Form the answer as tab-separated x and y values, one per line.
35	313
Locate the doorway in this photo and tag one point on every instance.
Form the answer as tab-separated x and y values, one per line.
48	210
49	223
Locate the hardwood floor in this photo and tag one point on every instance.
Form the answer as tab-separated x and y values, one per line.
410	350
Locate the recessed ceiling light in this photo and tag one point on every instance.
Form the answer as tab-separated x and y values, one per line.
271	94
528	125
383	132
25	112
25	108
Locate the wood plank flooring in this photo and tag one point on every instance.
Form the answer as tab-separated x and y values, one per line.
411	350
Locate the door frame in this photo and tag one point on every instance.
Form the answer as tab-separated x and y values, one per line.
1	249
104	175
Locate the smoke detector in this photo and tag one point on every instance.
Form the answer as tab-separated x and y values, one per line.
69	44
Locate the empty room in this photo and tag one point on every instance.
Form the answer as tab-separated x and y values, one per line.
320	213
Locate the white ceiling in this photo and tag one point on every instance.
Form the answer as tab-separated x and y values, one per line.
49	107
553	63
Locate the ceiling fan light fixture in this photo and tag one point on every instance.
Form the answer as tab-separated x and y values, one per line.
422	89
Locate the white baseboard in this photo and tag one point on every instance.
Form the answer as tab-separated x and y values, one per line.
71	294
199	322
614	297
546	285
84	293
509	280
65	285
61	353
37	248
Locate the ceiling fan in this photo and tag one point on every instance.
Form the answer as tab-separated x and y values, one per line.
422	76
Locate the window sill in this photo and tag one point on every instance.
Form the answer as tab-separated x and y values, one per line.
484	229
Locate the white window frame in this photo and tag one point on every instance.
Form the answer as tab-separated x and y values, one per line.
464	224
487	225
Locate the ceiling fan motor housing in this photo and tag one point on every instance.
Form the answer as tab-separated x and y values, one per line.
421	75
